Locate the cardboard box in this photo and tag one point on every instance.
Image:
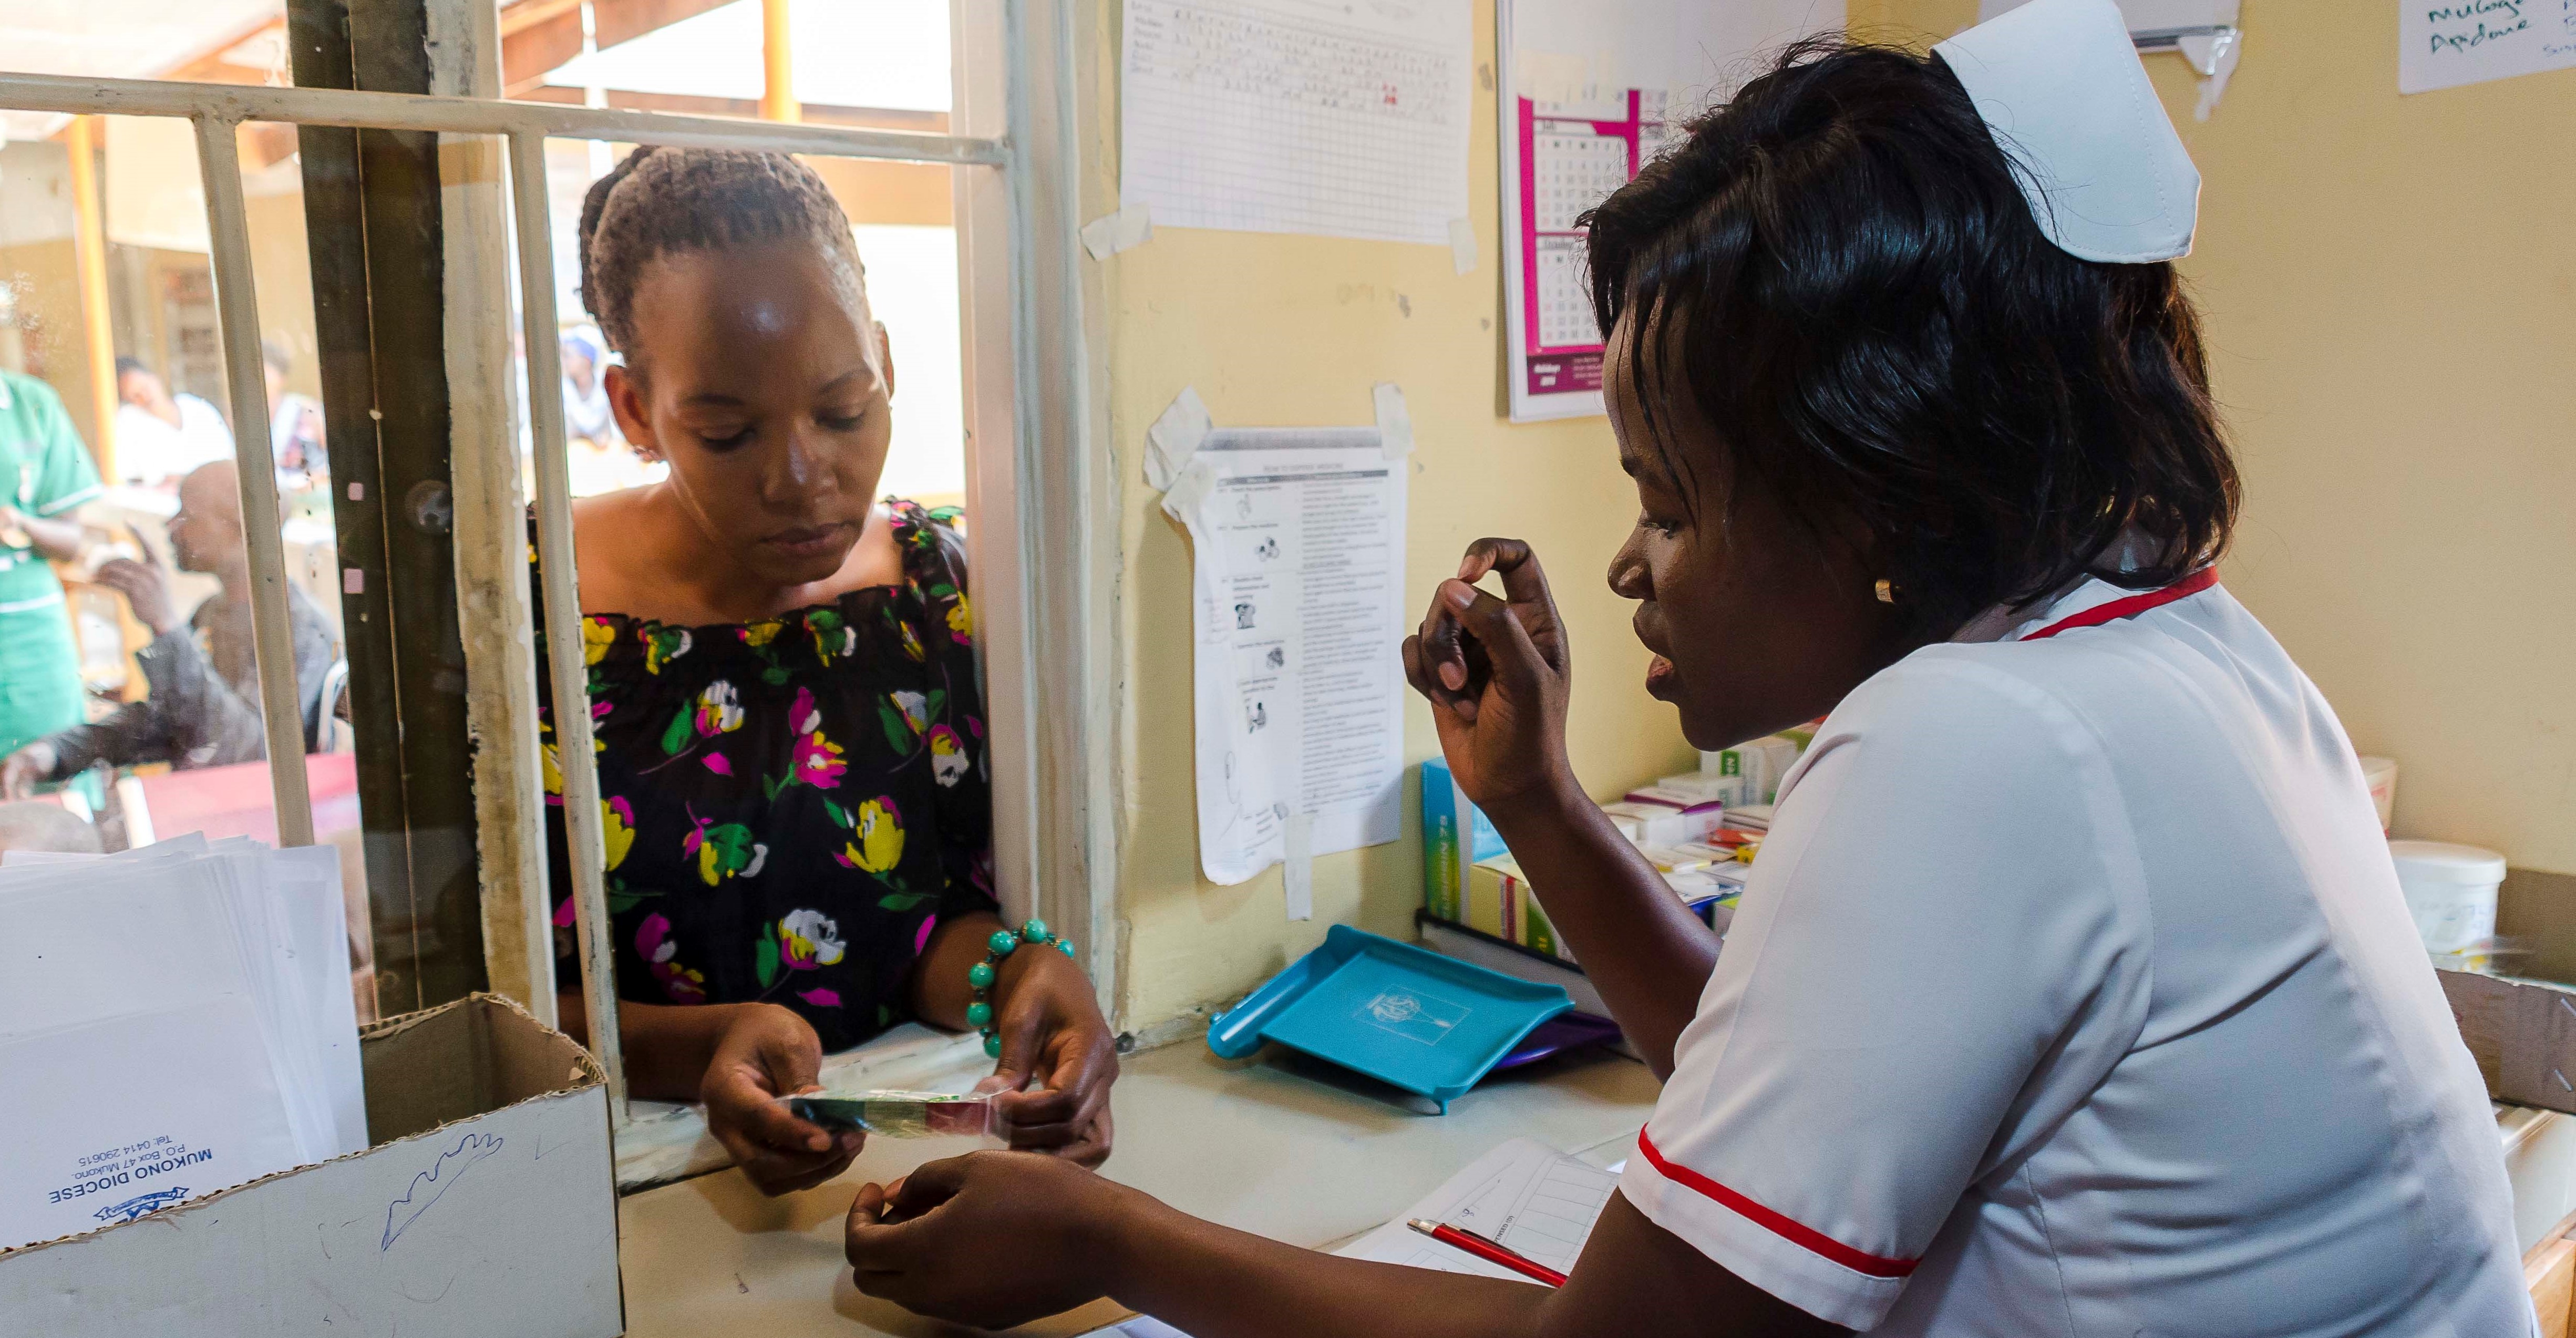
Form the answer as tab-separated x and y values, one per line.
2522	1033
1749	773
1668	817
487	1205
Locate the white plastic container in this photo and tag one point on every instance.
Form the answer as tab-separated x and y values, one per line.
2451	892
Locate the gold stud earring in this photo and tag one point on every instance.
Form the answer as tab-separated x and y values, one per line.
1886	591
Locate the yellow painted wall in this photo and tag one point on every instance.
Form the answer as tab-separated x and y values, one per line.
282	272
2389	286
49	317
1292	331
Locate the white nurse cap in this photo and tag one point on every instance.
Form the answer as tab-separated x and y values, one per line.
2059	84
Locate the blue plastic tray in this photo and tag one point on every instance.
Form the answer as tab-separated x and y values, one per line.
1429	1024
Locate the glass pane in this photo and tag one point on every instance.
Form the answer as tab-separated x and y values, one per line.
129	692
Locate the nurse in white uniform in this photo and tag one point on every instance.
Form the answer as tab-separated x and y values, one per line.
2072	993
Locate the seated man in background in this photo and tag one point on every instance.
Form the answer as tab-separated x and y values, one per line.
45	828
202	709
159	435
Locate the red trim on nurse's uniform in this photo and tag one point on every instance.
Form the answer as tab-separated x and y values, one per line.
2132	606
1787	1228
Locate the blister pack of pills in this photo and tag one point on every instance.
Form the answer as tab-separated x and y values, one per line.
887	1114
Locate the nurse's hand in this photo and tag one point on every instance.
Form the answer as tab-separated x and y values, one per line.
990	1239
1497	673
1056	1045
767	1052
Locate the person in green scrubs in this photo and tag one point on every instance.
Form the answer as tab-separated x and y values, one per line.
45	474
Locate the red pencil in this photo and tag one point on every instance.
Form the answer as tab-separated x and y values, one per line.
1492	1252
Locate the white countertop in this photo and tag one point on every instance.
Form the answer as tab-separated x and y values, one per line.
1290	1148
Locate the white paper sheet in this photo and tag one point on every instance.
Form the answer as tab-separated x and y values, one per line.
2472	41
1587	92
1297	539
48	982
1524	1194
1143	1326
318	929
180	924
1313	116
182	1104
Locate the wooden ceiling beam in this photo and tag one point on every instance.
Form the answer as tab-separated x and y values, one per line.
522	14
208	65
865	118
539	36
626	20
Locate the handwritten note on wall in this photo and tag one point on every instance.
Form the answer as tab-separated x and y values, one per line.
2446	43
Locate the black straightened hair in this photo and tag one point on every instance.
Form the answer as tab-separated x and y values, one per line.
1839	271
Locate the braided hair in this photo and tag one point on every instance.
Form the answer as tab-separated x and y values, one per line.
661	201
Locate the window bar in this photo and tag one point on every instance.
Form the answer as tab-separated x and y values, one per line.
273	640
585	846
477	116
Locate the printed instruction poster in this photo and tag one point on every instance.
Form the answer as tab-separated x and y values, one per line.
1297	584
1587	94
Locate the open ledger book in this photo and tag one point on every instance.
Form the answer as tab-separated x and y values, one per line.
1524	1194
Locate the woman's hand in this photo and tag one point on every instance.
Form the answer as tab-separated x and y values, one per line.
990	1239
765	1053
1496	672
1052	1036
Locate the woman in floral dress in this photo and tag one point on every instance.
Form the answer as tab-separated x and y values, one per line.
790	740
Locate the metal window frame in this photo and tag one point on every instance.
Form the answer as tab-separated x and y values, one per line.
1030	457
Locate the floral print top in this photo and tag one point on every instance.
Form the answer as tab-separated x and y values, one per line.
792	805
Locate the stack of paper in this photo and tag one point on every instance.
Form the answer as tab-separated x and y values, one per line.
174	1021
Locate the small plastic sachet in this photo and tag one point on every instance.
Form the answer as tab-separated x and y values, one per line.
890	1114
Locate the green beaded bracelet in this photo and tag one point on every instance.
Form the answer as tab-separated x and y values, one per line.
981	976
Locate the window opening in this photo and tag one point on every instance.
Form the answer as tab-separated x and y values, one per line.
235	130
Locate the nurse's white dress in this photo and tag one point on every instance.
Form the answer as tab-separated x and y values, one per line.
2073	994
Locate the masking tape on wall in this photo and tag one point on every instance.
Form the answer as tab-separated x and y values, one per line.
1110	234
1175	437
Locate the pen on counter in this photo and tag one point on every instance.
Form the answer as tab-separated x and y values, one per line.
1491	1251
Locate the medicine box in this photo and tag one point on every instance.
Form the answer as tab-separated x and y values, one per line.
1494	895
486	1205
1748	773
1454	836
1670	817
1501	903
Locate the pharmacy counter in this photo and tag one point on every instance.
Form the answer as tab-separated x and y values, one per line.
1285	1147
